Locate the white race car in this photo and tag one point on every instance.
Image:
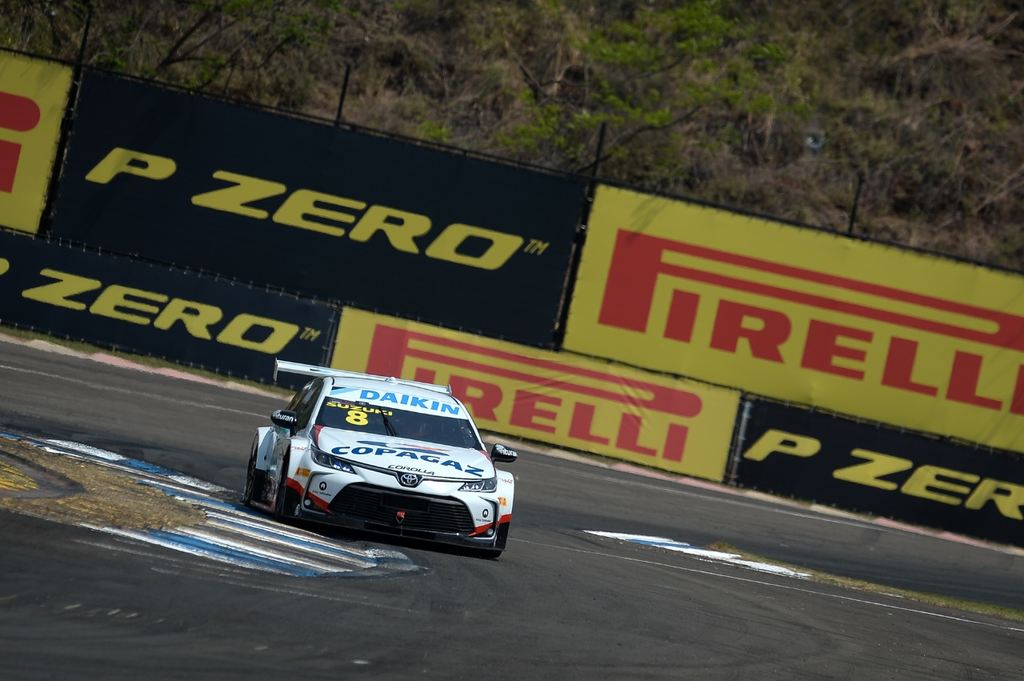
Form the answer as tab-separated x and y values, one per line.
381	454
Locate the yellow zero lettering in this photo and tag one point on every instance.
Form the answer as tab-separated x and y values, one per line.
59	292
280	333
502	246
118	302
871	473
927	483
304	202
400	227
1007	496
197	318
244	190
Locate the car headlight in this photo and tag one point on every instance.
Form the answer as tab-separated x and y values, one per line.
488	485
331	461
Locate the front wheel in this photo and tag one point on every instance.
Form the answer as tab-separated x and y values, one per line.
499	543
250	478
286	502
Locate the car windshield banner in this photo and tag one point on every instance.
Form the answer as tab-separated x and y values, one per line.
153	310
863	467
33	94
803	315
334	214
556	397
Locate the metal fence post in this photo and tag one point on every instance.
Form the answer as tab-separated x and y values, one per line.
733	464
581	237
856	201
341	97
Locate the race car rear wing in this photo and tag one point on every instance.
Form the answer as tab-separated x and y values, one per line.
313	370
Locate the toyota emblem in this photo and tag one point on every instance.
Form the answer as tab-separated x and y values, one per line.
409	479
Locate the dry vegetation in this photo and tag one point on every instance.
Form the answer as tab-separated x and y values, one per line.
771	107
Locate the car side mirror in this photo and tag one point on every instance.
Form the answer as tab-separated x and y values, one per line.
503	454
284	418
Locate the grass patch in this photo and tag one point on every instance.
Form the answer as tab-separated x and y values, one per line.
108	497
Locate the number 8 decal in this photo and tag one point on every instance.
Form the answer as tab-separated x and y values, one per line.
357	418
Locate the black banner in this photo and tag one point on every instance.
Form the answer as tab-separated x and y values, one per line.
153	310
862	467
338	215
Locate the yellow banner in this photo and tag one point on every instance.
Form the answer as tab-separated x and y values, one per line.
33	95
673	424
803	315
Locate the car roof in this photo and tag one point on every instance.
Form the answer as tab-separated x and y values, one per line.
383	391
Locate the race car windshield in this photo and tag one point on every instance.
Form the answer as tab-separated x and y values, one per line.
350	415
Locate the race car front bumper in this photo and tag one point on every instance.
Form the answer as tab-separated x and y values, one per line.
448	520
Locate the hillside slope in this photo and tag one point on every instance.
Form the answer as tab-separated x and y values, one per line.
771	107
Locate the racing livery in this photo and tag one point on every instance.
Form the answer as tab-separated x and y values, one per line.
381	454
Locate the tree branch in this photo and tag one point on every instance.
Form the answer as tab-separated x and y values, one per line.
633	134
172	55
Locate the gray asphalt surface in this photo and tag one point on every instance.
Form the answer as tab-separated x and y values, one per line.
558	604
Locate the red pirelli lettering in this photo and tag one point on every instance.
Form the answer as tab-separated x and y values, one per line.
823	346
19	114
963	382
483	398
582	425
899	365
630	426
392	346
638	263
528	412
545	390
769	330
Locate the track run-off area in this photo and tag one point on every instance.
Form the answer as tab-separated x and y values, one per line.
126	555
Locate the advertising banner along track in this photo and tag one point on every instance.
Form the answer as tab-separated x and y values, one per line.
858	466
153	310
566	400
803	315
325	212
33	96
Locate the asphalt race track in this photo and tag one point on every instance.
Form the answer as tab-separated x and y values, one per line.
78	603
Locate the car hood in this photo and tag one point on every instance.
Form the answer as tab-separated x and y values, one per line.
428	459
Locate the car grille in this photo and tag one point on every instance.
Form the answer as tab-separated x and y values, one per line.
429	514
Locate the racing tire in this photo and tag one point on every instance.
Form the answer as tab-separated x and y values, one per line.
499	543
286	501
253	478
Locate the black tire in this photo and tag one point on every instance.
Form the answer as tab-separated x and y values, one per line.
286	501
499	543
250	478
